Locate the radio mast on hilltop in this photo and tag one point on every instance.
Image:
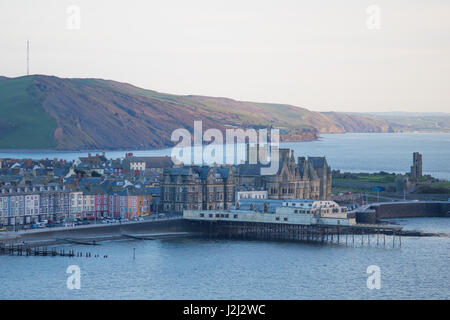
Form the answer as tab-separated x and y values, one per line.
28	57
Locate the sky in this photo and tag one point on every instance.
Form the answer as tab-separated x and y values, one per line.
324	55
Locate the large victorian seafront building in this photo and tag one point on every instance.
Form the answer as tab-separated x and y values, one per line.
308	178
212	188
197	188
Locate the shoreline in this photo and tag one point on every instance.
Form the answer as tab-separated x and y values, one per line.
62	151
143	230
98	232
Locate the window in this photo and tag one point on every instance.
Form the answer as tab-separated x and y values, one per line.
285	219
202	215
277	218
235	216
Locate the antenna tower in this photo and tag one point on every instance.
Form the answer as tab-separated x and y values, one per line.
28	57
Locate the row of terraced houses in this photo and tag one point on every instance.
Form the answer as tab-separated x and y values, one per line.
26	205
94	187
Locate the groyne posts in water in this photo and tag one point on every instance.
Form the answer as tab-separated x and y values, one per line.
29	250
369	235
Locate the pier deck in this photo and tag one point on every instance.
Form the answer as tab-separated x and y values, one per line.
364	233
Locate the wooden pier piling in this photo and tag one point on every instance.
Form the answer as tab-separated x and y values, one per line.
30	250
295	232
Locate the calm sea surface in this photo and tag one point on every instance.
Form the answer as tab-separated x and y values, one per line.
193	268
353	152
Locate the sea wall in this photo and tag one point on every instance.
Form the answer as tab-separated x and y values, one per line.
158	226
378	212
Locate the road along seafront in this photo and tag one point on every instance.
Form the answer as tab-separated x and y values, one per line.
94	233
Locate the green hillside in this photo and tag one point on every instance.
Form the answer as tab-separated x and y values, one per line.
24	124
46	112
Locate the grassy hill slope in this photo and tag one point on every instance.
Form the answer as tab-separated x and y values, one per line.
24	124
46	112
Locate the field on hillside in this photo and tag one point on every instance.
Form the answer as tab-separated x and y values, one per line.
20	115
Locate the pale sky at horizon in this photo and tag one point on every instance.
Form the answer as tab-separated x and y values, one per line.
315	54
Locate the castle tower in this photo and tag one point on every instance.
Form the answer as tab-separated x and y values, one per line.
416	168
284	154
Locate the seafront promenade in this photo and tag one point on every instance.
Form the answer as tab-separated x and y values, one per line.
99	231
153	228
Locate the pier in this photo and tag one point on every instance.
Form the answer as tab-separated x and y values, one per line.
380	235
